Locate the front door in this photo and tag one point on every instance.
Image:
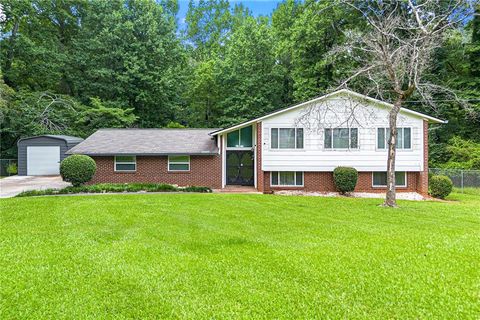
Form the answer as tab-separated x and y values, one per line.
240	168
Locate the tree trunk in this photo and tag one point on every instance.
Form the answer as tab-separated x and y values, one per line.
390	199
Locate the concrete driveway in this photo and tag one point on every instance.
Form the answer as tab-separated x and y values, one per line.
11	186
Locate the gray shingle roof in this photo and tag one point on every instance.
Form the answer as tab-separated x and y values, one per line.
68	139
147	142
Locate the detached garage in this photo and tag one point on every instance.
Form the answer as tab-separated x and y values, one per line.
41	155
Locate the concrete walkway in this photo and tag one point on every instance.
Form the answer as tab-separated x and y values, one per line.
11	186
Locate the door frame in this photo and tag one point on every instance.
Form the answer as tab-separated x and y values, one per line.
223	150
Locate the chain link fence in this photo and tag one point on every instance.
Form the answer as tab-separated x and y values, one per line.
460	178
4	164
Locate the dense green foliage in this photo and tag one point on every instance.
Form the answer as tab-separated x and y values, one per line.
72	67
77	169
440	186
115	188
345	179
459	154
12	169
204	256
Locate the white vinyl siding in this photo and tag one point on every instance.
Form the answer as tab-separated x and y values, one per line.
178	163
366	158
379	179
287	178
125	163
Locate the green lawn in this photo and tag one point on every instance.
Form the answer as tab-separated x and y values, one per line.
238	256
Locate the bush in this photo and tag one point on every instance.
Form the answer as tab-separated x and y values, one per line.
12	169
197	189
77	169
440	186
345	179
476	163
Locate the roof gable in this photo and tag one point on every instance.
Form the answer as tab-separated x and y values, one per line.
347	92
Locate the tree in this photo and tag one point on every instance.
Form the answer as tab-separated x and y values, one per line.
104	115
208	23
128	53
395	54
204	93
315	31
26	113
250	79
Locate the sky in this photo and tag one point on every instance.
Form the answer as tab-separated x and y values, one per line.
258	7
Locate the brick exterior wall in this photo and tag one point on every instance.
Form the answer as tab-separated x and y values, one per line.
261	178
323	182
422	187
204	171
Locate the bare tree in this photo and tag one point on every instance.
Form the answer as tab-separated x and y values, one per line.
394	54
52	106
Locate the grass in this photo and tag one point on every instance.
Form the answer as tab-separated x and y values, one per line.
202	256
471	191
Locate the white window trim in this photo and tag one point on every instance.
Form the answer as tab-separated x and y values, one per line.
386	139
125	162
288	185
384	186
278	139
188	163
349	140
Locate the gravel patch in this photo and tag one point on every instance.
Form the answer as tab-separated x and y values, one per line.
400	195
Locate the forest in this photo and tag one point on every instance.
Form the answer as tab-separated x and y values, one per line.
73	66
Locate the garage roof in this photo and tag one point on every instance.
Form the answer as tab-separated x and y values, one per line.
107	142
68	139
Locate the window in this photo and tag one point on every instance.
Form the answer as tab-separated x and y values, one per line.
286	138
241	138
404	138
341	138
380	179
178	163
287	178
125	163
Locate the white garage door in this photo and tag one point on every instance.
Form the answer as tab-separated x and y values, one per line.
43	161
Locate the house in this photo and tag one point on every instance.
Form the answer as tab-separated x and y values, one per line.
296	148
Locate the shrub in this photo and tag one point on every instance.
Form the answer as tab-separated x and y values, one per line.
78	169
12	169
197	189
115	188
440	186
476	163
345	179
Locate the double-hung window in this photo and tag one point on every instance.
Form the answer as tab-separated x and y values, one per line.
404	138
380	179
178	163
287	178
341	138
125	163
286	138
